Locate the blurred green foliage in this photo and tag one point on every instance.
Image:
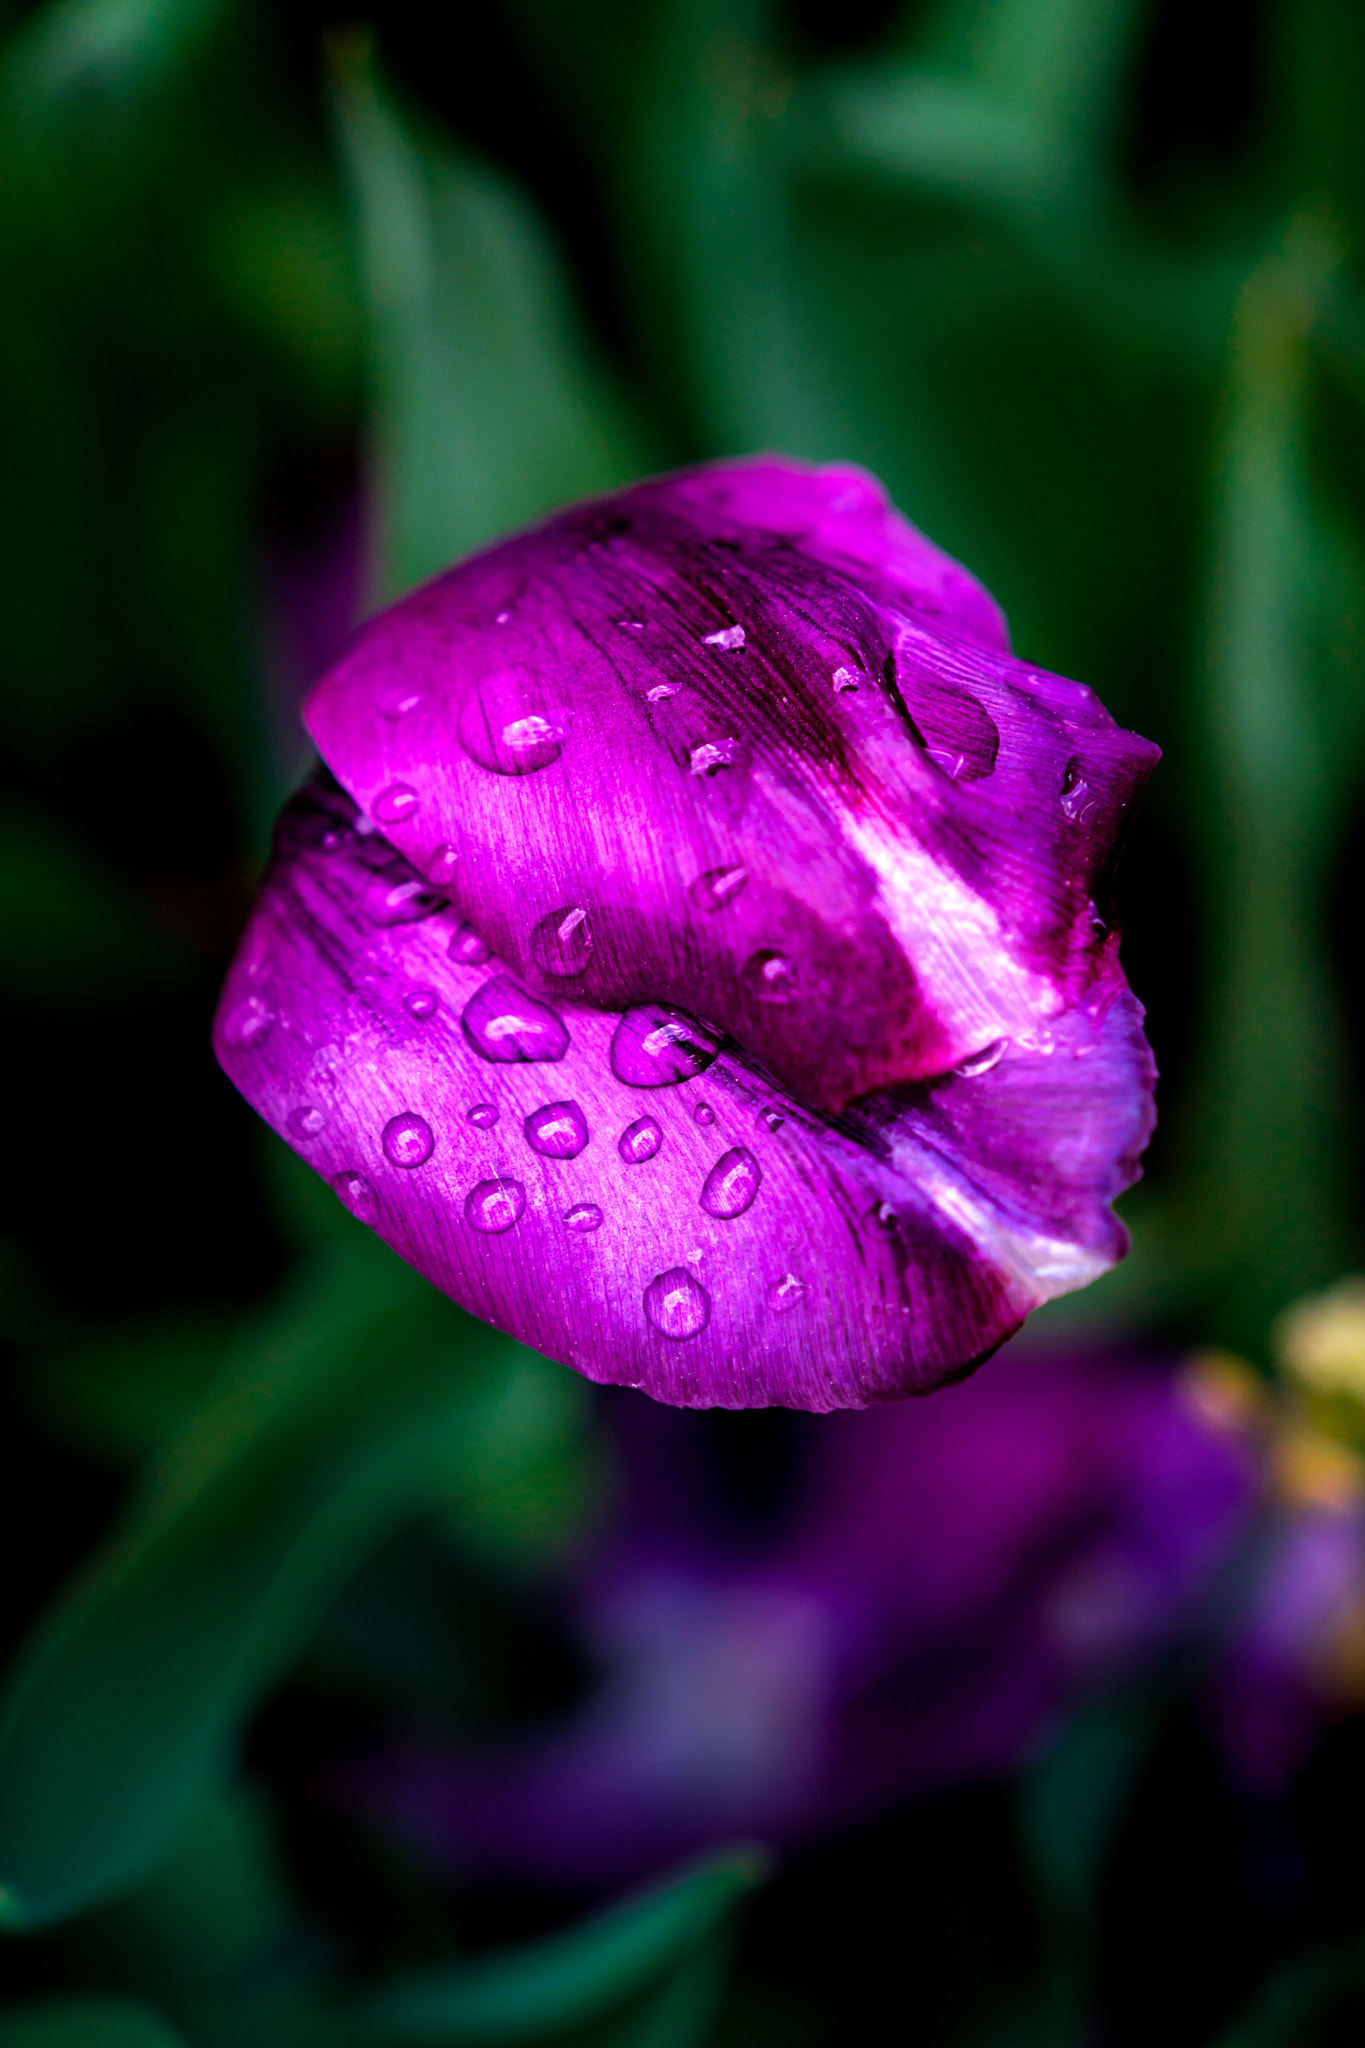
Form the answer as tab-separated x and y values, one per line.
263	265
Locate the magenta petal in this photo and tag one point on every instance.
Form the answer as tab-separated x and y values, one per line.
741	743
762	1253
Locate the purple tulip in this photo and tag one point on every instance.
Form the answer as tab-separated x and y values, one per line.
952	1577
698	970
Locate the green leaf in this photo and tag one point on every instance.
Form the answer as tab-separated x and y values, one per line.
572	1979
488	408
84	2023
335	1423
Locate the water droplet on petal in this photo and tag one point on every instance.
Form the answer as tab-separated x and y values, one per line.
661	692
640	1141
442	863
771	977
886	1216
562	942
407	902
845	680
495	1205
503	618
504	1024
655	1045
771	1119
395	803
583	1216
678	1306
483	1115
467	947
786	1293
712	756
305	1121
1079	801
717	887
398	703
506	726
704	1114
729	639
407	1140
357	1194
249	1023
557	1130
981	1062
731	1185
421	1003
631	625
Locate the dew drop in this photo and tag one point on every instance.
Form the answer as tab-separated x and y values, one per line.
357	1194
557	1130
493	1206
981	1062
845	680
731	1185
786	1293
467	947
631	625
704	1114
886	1216
399	703
394	804
407	902
771	1119
771	977
661	693
305	1121
655	1046
483	1115
408	1141
678	1306
717	887
421	1003
729	639
506	727
502	1023
503	618
1079	801
442	863
712	756
583	1216
562	943
249	1023
640	1141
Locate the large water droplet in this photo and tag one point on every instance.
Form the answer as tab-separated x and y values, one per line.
771	977
357	1194
981	1062
483	1115
394	804
495	1205
729	639
506	726
467	947
717	887
407	1140
504	1024
249	1023
559	1130
731	1185
584	1216
655	1045
640	1141
406	902
421	1003
678	1306
305	1121
399	702
711	756
704	1114
562	942
786	1293
1079	802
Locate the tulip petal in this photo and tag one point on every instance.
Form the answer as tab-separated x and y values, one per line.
741	741
754	1251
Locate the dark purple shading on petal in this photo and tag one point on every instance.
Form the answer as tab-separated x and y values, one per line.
756	670
916	1231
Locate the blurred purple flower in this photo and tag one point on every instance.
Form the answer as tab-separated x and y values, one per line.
952	1577
805	1067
